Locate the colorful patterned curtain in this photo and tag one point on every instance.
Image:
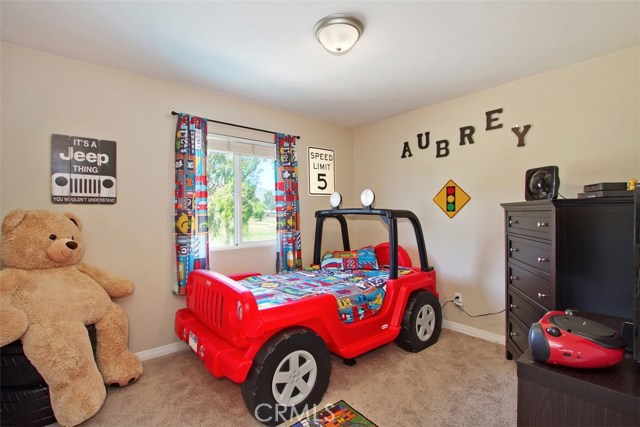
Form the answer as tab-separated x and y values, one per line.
191	219
288	242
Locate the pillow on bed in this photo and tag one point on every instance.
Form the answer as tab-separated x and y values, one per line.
362	259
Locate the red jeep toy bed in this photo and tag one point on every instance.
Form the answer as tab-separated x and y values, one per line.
274	334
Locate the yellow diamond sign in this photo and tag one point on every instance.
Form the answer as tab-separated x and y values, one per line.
451	198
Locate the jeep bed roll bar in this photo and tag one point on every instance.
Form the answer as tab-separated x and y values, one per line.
390	217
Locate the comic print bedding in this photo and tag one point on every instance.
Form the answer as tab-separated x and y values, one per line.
359	293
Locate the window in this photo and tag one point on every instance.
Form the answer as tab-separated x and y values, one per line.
241	182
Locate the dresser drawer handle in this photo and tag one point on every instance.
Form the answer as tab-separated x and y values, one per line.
541	295
514	278
542	224
513	221
513	250
541	260
513	306
513	334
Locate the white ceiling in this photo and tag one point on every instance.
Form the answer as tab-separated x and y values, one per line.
412	53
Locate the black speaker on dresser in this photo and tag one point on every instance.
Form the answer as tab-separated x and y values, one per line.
541	183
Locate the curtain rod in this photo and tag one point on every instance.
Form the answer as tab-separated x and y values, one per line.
173	113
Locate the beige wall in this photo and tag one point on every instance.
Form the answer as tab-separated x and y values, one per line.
44	94
585	119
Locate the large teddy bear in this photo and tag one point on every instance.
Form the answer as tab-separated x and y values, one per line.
47	296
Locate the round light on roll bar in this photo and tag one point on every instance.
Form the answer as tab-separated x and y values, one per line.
335	199
367	197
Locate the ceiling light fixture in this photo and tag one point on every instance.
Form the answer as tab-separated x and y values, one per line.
338	33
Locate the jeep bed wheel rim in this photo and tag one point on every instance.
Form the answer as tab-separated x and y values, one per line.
294	378
425	322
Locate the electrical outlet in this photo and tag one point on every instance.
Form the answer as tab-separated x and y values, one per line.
457	299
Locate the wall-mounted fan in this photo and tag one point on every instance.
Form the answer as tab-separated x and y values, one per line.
541	183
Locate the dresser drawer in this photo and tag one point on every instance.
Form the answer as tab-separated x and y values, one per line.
535	287
530	252
518	335
520	307
530	223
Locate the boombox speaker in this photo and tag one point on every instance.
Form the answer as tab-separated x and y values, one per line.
541	183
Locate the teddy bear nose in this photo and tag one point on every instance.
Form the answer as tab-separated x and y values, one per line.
72	245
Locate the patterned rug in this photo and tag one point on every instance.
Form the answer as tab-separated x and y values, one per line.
339	414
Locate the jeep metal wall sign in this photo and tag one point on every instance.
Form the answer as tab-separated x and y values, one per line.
466	136
83	170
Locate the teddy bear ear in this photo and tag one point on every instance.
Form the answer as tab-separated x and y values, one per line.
12	220
74	219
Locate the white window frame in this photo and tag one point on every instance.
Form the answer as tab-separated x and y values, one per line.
238	146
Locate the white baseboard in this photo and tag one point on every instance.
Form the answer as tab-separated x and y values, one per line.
474	332
162	351
467	330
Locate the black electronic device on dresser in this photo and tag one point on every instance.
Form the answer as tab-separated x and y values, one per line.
570	254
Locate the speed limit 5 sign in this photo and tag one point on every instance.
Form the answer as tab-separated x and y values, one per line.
322	174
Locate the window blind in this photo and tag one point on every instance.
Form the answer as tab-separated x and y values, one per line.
242	146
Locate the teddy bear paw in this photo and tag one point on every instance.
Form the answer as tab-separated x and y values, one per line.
75	404
121	371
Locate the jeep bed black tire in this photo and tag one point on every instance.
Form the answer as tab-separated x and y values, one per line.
278	356
421	323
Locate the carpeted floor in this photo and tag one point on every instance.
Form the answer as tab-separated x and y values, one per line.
461	381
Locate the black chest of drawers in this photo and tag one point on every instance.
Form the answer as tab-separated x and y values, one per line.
569	253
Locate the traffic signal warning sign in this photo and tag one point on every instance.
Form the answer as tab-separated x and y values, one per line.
451	198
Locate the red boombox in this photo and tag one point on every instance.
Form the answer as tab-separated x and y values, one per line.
561	338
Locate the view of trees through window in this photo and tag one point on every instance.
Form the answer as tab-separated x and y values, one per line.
241	198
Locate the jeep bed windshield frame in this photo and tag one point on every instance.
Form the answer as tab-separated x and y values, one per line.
390	217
